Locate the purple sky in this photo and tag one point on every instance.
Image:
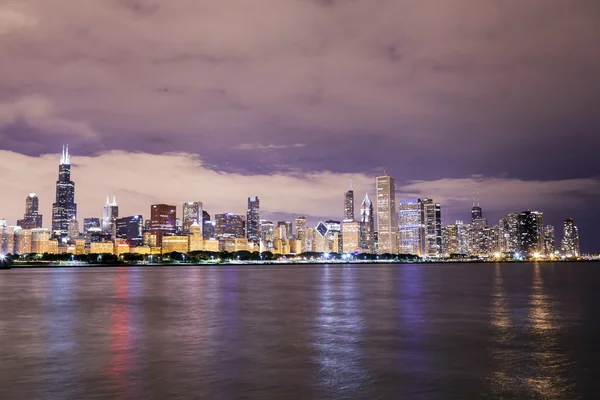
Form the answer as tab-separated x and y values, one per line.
290	99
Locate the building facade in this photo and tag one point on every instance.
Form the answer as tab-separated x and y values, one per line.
162	221
32	218
411	227
253	220
367	226
192	212
64	208
386	214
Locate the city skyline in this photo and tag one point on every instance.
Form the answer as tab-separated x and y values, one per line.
391	221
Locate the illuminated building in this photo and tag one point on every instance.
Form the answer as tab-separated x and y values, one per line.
267	233
90	223
130	229
80	246
208	228
162	221
411	227
102	248
211	245
23	241
64	209
479	238
301	232
39	240
178	226
335	235
32	219
351	236
451	240
296	246
570	243
175	243
367	226
349	205
109	216
192	212
528	233
53	247
433	228
196	239
386	214
233	244
253	220
229	225
513	232
321	238
539	219
7	239
281	231
73	230
476	213
549	240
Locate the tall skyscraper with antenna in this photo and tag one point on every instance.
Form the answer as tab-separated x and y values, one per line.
109	216
64	209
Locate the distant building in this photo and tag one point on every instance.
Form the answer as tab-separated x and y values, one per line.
64	208
367	226
73	230
528	233
253	219
452	241
386	214
549	240
411	227
512	231
301	232
90	223
349	205
109	216
433	228
192	212
162	221
31	219
130	229
570	243
350	236
229	225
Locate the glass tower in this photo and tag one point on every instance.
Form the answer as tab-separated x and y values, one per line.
64	209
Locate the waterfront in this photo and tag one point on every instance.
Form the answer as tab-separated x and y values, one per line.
427	331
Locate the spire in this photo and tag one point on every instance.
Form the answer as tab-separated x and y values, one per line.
107	200
366	201
64	158
114	200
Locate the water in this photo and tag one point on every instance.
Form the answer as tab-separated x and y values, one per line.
478	331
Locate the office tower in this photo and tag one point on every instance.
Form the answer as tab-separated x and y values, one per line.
178	226
40	240
349	205
130	229
463	237
31	219
110	215
478	237
411	227
289	228
73	230
267	231
335	235
367	226
570	244
64	209
229	225
549	240
476	213
432	218
350	236
192	212
539	219
281	231
90	223
386	214
321	238
196	241
162	221
23	241
452	243
528	233
301	231
253	220
513	232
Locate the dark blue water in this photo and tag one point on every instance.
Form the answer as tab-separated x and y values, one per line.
479	331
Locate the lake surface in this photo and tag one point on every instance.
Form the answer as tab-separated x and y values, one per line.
450	331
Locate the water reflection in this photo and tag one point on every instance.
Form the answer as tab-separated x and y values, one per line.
338	334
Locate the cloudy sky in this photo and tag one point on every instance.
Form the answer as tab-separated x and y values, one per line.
290	100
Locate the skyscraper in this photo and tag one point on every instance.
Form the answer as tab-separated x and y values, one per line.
229	225
433	228
301	231
349	205
31	219
528	233
130	229
162	221
192	211
90	223
411	227
386	214
253	220
476	212
109	216
512	232
549	240
570	244
64	209
367	226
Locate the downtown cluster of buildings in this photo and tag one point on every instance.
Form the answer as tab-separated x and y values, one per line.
414	226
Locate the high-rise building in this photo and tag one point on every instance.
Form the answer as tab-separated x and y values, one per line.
350	236
334	229
549	240
192	212
476	213
162	221
64	209
109	216
367	226
229	225
130	229
386	214
512	232
90	223
281	231
411	227
452	239
570	243
539	220
73	230
301	231
433	228
528	233
253	220
31	219
349	205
